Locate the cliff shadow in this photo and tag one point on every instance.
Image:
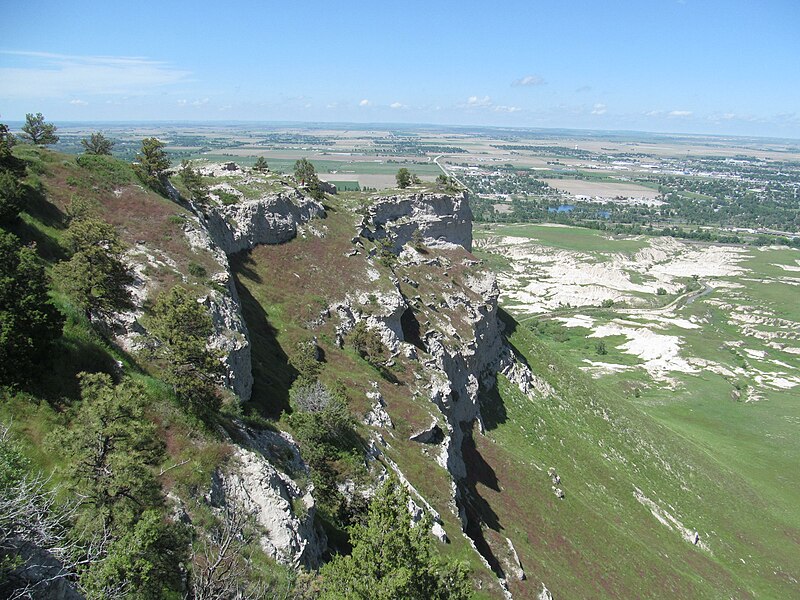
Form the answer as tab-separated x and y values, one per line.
272	373
35	204
478	511
493	409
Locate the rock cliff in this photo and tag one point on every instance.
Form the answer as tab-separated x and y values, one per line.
443	220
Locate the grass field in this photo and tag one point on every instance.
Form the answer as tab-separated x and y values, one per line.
720	383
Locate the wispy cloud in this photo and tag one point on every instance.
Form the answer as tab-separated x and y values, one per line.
364	102
599	109
397	105
583	89
485	103
48	75
479	102
528	80
680	113
78	102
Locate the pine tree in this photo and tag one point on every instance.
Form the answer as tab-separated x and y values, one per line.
261	165
393	559
97	144
29	321
152	163
183	326
403	178
38	131
96	276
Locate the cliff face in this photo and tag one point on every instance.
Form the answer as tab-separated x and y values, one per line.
226	230
269	220
443	220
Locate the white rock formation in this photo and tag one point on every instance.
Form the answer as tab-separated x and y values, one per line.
283	511
443	220
269	220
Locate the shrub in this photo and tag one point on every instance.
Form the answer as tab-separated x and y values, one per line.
367	343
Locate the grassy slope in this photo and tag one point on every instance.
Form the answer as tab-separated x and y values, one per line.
35	410
599	541
750	450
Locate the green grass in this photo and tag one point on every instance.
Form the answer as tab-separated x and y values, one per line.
567	238
600	523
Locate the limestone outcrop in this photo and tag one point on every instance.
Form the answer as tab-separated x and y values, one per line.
272	219
443	220
284	512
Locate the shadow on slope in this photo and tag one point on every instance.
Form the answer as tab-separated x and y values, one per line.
272	373
478	512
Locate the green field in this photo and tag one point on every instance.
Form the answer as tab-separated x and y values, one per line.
566	238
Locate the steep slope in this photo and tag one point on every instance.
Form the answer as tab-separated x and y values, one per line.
568	485
535	475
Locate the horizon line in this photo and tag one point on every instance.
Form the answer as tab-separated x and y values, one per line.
396	125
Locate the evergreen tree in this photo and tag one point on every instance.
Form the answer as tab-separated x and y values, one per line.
112	449
97	144
10	196
143	563
95	277
393	559
403	178
38	131
261	165
194	182
305	173
152	163
28	320
8	161
183	326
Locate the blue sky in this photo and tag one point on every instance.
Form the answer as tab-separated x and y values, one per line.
694	66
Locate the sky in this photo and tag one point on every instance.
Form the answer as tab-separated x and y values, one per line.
681	66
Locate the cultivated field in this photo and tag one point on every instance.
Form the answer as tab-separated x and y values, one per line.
605	189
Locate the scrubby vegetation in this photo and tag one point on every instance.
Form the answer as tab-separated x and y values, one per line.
102	451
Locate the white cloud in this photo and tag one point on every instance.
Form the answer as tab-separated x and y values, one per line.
528	80
200	102
77	102
397	105
47	75
476	102
679	113
654	113
507	109
364	102
182	102
599	109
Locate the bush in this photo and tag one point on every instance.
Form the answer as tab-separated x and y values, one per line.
197	270
367	343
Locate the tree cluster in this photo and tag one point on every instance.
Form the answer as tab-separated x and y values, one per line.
182	326
392	559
